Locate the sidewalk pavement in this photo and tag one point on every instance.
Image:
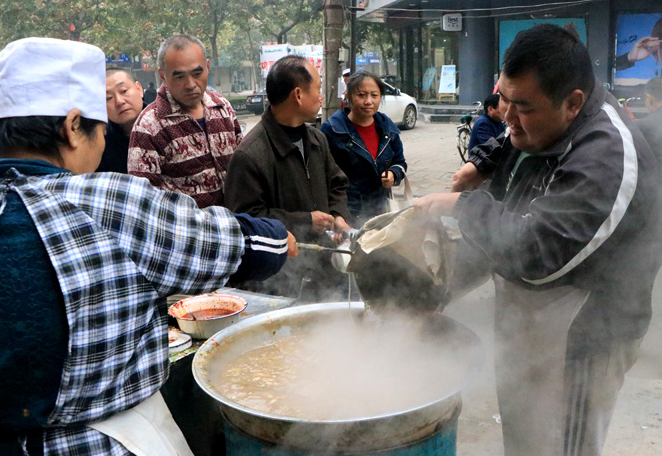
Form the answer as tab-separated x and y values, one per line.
636	428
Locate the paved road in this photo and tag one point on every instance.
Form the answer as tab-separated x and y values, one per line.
636	428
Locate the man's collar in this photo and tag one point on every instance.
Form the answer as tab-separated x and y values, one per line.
279	138
166	105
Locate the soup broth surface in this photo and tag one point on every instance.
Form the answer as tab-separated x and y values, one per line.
341	370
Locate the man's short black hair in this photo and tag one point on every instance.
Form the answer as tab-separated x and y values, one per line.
654	88
286	75
559	60
38	134
492	101
112	71
150	85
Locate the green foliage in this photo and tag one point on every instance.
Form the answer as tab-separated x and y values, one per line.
233	30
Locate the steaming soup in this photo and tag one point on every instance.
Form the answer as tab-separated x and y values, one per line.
342	371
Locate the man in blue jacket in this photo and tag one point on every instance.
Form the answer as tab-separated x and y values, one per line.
490	124
570	229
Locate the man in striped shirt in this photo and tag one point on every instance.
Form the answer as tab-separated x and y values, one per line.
184	141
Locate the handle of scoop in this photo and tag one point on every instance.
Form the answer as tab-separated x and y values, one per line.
321	248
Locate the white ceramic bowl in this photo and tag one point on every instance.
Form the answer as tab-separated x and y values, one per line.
205	315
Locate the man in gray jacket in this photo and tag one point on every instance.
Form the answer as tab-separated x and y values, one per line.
570	228
284	170
651	125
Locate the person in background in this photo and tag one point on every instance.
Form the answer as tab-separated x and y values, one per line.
150	93
124	102
184	140
284	170
489	124
366	145
570	229
342	87
651	125
89	260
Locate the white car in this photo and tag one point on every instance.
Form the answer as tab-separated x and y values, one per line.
399	107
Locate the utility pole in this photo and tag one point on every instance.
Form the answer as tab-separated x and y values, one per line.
333	22
353	39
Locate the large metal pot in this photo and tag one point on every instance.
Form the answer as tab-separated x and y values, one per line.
365	433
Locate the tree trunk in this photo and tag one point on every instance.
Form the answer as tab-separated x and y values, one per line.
256	73
215	77
333	23
384	58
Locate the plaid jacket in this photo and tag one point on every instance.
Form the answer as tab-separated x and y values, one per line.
175	153
119	247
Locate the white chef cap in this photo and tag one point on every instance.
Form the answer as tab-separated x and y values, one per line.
49	77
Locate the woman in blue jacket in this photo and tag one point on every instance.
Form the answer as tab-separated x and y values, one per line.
366	145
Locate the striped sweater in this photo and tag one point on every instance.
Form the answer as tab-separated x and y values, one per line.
175	152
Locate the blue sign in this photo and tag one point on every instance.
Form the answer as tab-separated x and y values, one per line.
630	29
368	61
508	30
123	58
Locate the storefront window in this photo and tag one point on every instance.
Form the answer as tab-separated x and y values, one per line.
439	48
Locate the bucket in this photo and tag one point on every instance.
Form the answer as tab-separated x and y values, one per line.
442	441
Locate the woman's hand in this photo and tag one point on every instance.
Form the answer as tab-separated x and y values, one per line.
643	48
388	179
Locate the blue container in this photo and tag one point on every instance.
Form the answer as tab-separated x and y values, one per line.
441	442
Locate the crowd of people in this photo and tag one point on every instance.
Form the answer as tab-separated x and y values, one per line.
561	208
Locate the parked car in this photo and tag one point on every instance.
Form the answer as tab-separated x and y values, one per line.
400	107
257	102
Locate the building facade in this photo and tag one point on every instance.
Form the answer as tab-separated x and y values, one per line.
460	64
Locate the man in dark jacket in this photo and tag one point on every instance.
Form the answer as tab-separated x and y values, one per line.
124	103
150	93
651	125
570	229
283	169
490	124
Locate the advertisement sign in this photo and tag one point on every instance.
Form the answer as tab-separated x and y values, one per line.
632	32
452	22
508	30
271	53
447	79
428	78
314	53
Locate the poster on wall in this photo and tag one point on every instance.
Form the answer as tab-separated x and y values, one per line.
638	54
447	79
273	52
508	30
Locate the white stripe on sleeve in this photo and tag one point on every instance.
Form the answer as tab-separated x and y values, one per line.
623	199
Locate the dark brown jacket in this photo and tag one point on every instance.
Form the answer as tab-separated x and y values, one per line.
269	178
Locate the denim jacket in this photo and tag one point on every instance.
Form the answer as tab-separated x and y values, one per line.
366	197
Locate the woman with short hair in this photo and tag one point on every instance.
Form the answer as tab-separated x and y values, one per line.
366	145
